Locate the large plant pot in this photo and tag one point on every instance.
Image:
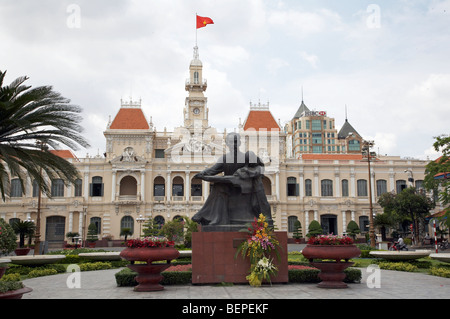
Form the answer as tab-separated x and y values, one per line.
331	272
15	294
335	252
149	274
22	251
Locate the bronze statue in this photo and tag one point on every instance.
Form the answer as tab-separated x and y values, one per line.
238	196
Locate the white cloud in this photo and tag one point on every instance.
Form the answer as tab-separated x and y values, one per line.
275	64
310	58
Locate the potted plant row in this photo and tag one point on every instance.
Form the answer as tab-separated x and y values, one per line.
9	290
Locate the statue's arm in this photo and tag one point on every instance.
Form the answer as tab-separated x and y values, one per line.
211	171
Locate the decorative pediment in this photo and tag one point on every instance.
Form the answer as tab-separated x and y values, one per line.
129	157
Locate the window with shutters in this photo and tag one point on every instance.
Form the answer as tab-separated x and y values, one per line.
96	187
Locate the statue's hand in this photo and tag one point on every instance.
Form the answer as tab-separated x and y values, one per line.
199	176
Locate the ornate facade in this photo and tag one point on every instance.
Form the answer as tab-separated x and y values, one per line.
313	172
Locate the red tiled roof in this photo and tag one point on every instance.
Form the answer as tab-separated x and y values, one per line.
63	153
260	120
129	119
332	156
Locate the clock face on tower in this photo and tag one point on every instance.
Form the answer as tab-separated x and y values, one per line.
196	111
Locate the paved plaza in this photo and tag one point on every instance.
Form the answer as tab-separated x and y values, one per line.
102	285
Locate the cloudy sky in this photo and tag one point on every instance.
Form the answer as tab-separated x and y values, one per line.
386	61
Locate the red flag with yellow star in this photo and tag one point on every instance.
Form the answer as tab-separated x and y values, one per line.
203	21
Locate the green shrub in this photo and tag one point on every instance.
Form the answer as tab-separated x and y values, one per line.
352	275
10	285
95	266
304	275
25	270
439	271
126	278
399	266
11	277
41	272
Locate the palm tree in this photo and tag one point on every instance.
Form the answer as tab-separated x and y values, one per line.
32	122
23	229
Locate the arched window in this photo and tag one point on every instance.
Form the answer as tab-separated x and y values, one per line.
327	187
98	223
292	186
159	220
57	188
96	187
178	186
128	186
308	187
35	189
400	185
16	188
381	187
362	187
344	188
267	184
291	222
159	186
196	79
127	222
78	188
196	187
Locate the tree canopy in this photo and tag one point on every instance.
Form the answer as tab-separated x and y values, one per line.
437	171
33	121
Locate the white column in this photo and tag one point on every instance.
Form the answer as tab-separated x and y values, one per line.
316	215
113	187
337	186
353	215
80	224
344	222
70	221
86	186
169	186
352	183
187	186
205	189
301	184
306	219
316	184
277	185
143	186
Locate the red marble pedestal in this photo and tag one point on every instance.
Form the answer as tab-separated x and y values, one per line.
214	260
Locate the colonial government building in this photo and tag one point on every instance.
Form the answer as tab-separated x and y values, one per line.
313	171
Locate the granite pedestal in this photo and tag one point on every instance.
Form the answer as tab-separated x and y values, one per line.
214	260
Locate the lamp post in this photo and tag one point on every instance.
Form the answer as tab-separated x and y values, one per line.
140	220
367	153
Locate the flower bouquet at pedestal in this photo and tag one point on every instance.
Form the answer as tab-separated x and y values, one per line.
260	244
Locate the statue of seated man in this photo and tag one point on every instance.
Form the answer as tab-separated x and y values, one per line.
238	196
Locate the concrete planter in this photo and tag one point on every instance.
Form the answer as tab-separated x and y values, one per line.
331	272
149	275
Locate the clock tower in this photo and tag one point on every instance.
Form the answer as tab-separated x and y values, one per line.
196	110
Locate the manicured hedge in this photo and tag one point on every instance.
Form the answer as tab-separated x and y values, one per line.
126	276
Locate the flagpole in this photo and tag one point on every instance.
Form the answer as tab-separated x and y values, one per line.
196	29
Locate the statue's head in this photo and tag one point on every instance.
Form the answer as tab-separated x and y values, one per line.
233	140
